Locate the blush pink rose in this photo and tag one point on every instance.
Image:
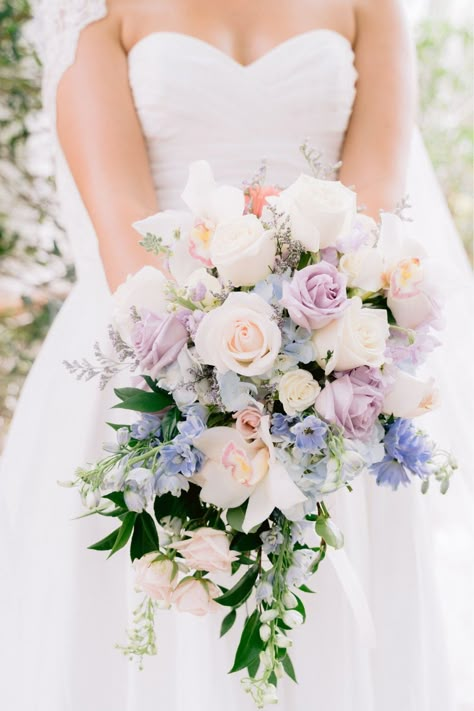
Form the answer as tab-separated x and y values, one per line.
157	340
248	422
156	576
207	549
256	198
196	596
353	401
315	296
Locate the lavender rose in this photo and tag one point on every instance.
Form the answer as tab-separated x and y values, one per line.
353	401
315	296
157	340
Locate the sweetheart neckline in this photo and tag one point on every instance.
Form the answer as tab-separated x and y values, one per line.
244	67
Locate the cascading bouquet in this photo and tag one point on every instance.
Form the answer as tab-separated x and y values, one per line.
271	368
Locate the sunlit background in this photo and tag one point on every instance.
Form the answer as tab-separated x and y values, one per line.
35	268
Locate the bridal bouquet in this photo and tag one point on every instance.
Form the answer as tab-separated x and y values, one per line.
272	367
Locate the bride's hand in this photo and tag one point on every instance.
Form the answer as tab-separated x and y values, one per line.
376	147
103	143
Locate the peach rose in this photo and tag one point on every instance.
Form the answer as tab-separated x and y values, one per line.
156	575
196	596
207	549
248	421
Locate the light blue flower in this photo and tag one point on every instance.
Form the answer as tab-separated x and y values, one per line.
236	394
179	457
310	434
271	540
147	426
271	288
297	341
281	426
406	451
170	484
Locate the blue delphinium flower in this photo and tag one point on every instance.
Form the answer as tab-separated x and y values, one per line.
297	341
147	426
271	540
174	484
310	434
179	457
406	451
281	425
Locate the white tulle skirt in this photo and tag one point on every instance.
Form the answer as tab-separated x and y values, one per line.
62	607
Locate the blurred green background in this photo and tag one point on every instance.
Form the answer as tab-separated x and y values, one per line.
35	269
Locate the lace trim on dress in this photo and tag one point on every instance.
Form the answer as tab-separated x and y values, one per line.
57	25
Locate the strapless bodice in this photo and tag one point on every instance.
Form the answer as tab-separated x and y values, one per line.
195	102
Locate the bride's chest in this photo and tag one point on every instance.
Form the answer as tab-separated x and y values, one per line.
183	86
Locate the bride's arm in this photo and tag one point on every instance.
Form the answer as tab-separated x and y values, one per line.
102	140
375	150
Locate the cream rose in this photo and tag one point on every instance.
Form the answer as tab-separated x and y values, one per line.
297	391
143	290
409	396
363	268
207	549
156	576
357	338
196	596
241	335
243	251
320	211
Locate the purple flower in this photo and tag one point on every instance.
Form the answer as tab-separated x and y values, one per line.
406	451
315	296
157	340
310	434
353	401
330	255
404	351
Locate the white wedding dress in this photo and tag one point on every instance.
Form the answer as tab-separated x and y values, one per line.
65	606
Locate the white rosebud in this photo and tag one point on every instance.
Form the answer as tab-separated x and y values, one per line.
265	632
269	696
279	671
93	498
289	600
293	618
266	658
282	641
328	530
268	615
123	436
297	391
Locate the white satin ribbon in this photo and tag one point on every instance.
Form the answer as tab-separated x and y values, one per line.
356	596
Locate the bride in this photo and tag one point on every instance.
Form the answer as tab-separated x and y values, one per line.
136	90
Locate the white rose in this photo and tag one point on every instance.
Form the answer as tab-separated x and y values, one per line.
321	211
364	268
143	290
297	391
243	250
409	396
201	279
357	338
241	335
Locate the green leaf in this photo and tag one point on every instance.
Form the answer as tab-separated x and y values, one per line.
250	644
168	424
235	517
288	667
244	542
117	498
145	536
300	608
107	543
152	383
145	402
228	622
237	595
253	668
306	589
186	505
126	393
115	426
124	532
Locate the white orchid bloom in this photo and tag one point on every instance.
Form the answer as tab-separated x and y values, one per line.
236	470
410	396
